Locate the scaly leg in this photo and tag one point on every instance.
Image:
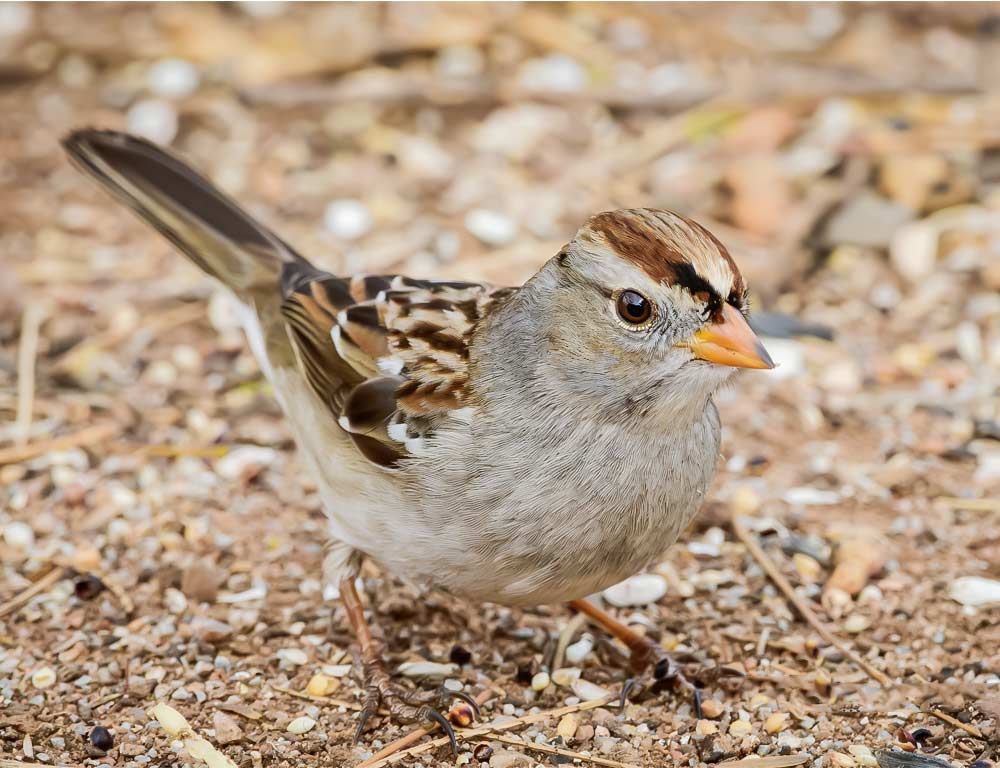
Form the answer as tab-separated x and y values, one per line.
643	652
403	705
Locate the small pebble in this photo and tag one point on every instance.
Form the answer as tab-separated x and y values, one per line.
482	752
154	119
711	709
776	723
491	227
295	657
706	728
641	589
301	725
567	725
427	669
840	760
18	535
565	676
322	685
975	591
43	677
174	601
579	650
348	219
855	623
540	681
739	728
863	755
101	738
173	77
588	691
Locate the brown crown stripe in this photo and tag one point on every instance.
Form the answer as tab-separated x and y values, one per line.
661	243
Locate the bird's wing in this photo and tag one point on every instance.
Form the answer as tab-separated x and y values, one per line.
387	354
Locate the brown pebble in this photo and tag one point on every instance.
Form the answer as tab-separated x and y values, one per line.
200	582
227	730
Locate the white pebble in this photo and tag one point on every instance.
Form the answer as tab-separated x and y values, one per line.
173	77
301	725
243	459
294	656
578	651
336	670
565	676
556	73
15	18
540	681
43	677
975	591
174	601
18	535
491	227
588	691
348	219
153	118
427	669
641	589
805	496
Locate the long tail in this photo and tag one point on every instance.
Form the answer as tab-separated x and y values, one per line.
206	225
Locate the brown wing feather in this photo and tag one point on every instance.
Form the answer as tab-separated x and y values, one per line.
388	354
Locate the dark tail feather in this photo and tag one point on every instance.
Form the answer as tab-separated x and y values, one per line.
185	207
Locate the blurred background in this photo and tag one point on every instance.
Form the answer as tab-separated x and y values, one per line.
847	154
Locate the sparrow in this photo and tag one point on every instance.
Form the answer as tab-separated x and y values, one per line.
522	445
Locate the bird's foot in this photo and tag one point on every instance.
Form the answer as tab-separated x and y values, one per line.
409	706
654	670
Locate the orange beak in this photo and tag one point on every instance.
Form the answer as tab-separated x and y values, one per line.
729	341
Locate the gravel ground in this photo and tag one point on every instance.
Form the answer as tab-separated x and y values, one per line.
160	540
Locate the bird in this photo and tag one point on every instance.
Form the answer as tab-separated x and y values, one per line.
516	445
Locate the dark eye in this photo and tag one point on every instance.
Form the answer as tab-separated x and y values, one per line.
634	308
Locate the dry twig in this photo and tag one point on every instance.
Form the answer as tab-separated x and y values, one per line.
530	745
803	608
27	353
37	588
86	436
397	749
969	729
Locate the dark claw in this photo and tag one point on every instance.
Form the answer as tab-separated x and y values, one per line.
437	717
626	690
468	700
697	704
366	713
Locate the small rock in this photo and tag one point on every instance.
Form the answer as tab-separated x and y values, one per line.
227	730
294	657
641	589
509	759
174	601
840	760
863	755
567	725
711	709
540	681
975	591
322	685
553	74
427	669
867	219
348	219
210	630
200	582
913	250
855	623
565	676
301	725
706	728
491	227
101	738
588	691
43	677
740	728
154	119
584	734
806	496
776	723
18	535
173	77
578	651
245	462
